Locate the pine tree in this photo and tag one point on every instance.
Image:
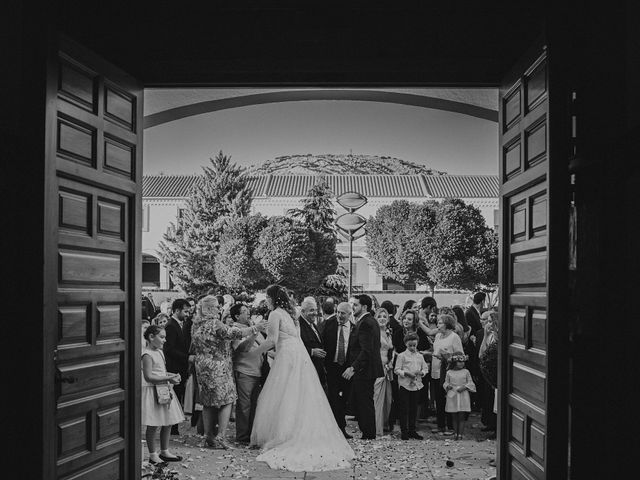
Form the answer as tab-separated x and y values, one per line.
317	209
190	245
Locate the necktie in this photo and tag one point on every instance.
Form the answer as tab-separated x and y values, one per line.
341	358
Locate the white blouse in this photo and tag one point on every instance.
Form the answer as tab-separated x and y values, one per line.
441	345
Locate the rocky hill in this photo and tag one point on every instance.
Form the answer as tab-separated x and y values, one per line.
329	164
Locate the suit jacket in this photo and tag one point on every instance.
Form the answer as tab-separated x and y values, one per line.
473	318
323	322
312	339
330	340
176	350
364	349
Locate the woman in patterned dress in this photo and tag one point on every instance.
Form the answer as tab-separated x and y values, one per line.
211	340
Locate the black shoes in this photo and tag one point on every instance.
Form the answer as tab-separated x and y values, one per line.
174	430
404	436
488	429
366	437
415	436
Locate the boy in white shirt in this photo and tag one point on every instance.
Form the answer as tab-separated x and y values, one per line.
410	368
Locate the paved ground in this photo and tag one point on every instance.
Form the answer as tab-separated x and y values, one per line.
385	458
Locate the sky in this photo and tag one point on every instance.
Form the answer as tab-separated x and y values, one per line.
445	141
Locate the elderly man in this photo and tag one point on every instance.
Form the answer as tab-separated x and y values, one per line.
335	338
311	337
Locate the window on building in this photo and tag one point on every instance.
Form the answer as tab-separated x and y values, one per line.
496	219
391	284
145	218
150	271
181	213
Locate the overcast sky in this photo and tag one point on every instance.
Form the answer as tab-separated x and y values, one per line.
450	142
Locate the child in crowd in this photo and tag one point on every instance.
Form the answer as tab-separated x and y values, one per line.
458	384
154	414
145	324
410	368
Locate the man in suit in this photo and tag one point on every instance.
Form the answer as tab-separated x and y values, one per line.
328	312
365	365
335	339
472	315
311	338
176	350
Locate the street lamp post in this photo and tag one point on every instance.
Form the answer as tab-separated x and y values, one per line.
349	223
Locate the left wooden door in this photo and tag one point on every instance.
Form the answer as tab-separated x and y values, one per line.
92	268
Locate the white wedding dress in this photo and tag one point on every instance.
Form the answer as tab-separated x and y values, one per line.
294	424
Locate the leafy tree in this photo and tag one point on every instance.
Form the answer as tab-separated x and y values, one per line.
396	238
236	266
463	252
446	244
284	250
294	255
190	245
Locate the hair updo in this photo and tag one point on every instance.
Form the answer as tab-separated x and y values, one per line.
152	330
280	298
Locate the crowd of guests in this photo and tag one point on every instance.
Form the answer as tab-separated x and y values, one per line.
215	349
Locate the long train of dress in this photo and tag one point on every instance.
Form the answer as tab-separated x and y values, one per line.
294	424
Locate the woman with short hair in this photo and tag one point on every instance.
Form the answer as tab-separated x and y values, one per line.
445	344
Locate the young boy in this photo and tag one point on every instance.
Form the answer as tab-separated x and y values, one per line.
410	368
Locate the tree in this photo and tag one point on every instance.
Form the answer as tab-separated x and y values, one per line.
236	266
284	250
294	255
463	252
317	209
318	214
396	238
190	245
446	244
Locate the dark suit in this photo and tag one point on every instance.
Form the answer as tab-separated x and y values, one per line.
337	387
322	323
176	353
311	338
472	317
364	357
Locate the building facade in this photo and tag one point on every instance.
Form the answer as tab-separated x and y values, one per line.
164	199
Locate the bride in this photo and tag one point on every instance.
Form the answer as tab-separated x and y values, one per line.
294	424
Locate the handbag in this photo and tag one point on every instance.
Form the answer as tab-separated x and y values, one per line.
163	394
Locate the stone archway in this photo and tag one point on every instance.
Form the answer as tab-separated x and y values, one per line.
199	104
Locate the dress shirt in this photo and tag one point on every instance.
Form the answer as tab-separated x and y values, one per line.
408	362
346	330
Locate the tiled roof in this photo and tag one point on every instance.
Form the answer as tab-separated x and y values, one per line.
371	186
463	186
168	186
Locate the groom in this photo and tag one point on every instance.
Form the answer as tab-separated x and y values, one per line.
365	365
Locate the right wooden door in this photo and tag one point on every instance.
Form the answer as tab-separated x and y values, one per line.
533	399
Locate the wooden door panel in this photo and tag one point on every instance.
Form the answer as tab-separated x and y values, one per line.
94	225
526	282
